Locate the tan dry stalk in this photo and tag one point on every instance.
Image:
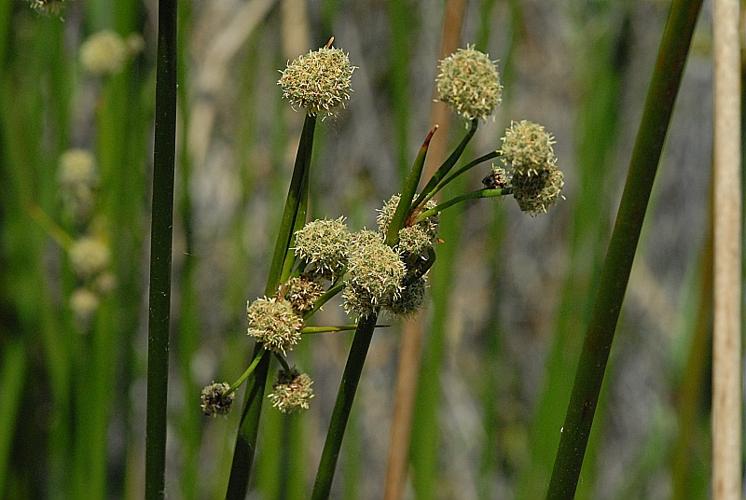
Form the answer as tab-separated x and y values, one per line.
726	371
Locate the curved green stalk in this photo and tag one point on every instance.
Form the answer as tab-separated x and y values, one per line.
160	251
462	170
473	195
615	274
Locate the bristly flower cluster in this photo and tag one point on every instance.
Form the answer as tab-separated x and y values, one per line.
324	245
216	399
274	323
318	81
468	81
50	7
291	391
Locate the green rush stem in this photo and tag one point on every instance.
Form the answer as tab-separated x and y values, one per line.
283	361
295	210
614	276
465	168
235	385
160	251
408	191
473	195
446	166
59	235
341	413
312	330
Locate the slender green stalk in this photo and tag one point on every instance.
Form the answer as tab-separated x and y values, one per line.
473	195
295	209
160	251
12	379
249	370
311	330
328	295
615	274
462	170
341	413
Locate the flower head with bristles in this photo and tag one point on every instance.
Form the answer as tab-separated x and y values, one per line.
536	192
469	82
375	274
324	245
104	53
89	257
274	323
291	391
527	147
411	298
318	81
216	399
51	7
416	239
302	293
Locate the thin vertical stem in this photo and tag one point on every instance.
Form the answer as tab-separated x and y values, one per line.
614	276
160	251
726	354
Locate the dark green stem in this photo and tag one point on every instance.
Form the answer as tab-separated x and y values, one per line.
160	251
462	170
473	195
342	407
447	165
328	295
615	274
295	210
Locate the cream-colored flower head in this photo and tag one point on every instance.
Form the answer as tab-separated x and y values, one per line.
274	323
302	293
292	391
83	303
77	167
468	81
51	7
104	53
536	192
324	245
216	399
318	81
375	274
89	256
527	147
414	240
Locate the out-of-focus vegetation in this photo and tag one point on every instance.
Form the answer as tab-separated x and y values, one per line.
504	324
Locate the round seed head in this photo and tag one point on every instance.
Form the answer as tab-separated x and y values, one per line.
324	245
527	147
363	238
292	391
386	215
411	299
536	192
83	303
216	400
414	240
377	270
77	167
274	323
104	53
318	81
89	257
357	303
469	82
302	293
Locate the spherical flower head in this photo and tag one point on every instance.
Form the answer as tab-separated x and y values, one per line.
468	81
386	215
83	303
302	293
498	178
536	192
377	270
135	44
358	303
527	147
77	167
291	391
50	7
274	323
411	298
216	399
414	240
324	245
363	238
89	257
104	53
318	81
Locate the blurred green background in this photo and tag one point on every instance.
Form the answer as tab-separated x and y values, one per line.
510	294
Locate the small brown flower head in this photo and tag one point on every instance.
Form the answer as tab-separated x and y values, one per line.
83	303
104	53
318	81
468	81
302	293
527	147
375	274
89	257
411	299
274	323
324	245
386	214
292	391
498	178
50	7
216	400
535	193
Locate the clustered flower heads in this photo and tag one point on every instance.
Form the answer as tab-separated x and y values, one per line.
415	239
216	399
324	244
535	178
78	179
302	293
292	391
274	323
468	81
106	52
375	274
318	81
89	257
411	298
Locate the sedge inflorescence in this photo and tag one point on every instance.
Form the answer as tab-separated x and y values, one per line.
291	391
106	52
274	323
216	399
469	81
324	245
318	81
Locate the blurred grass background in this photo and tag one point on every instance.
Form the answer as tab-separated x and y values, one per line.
503	329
